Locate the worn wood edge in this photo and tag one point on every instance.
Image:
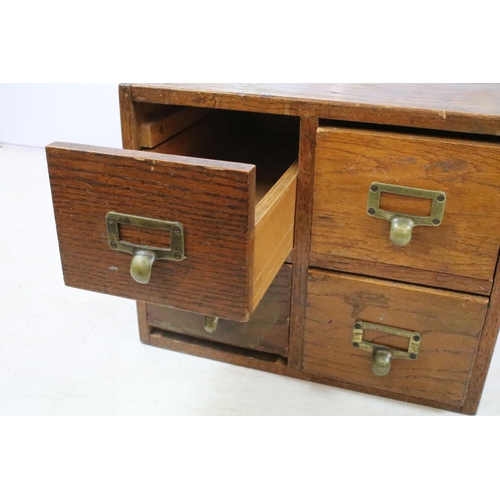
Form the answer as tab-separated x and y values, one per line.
485	350
401	274
302	238
142	318
128	117
274	223
280	368
149	156
154	132
435	119
416	136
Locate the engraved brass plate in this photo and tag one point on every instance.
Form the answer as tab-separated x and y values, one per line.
402	224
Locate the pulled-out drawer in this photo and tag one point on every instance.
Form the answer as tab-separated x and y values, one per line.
405	339
418	208
203	222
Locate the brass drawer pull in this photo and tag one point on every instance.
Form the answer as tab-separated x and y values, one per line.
402	224
211	323
382	355
144	256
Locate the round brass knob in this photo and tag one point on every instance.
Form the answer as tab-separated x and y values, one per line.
401	230
141	265
381	364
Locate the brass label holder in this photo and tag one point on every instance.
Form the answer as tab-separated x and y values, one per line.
382	355
144	255
402	224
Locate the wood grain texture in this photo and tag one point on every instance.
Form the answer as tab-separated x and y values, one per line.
128	118
266	331
449	324
348	161
303	216
214	279
144	331
485	350
277	365
274	224
153	132
460	108
473	108
403	274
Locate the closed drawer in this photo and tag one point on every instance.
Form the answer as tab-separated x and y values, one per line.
232	216
446	324
461	250
266	331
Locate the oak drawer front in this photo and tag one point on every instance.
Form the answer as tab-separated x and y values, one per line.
446	325
223	271
466	241
266	331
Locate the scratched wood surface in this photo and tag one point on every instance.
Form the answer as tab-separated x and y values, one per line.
214	279
348	161
473	108
449	324
266	331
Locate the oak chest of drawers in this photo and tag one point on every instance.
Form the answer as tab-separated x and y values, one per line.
343	234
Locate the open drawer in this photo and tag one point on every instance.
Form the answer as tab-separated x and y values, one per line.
203	222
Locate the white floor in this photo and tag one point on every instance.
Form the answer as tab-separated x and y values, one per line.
70	352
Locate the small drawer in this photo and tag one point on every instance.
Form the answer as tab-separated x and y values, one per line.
202	222
266	331
373	187
440	329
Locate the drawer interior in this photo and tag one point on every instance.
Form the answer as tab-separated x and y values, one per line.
269	142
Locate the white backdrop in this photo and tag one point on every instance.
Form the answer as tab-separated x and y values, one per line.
38	114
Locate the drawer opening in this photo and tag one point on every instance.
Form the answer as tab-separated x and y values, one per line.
170	338
267	141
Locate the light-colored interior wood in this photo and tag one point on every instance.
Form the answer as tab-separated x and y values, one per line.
274	223
153	132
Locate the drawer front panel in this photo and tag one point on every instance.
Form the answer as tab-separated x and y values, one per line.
213	200
464	244
448	325
266	331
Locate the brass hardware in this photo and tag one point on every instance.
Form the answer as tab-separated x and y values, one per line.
402	224
141	265
145	256
211	323
382	355
381	363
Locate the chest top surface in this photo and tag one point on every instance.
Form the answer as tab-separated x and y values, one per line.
472	108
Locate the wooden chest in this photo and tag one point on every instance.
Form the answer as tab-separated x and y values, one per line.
343	234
